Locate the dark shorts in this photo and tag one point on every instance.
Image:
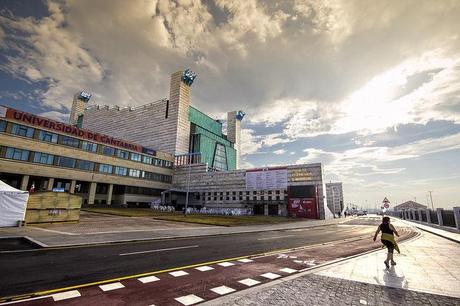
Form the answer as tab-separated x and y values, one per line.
389	245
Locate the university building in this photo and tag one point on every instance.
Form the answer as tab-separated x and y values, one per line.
151	153
43	154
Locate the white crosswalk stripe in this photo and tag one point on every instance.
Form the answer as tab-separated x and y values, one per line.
189	299
112	286
249	282
270	275
204	268
222	290
66	295
148	279
178	273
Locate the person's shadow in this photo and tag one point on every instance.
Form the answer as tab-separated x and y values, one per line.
394	286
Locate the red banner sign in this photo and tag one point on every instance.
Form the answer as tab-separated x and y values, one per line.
69	129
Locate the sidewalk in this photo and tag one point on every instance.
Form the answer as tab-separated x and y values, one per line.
427	273
450	234
65	237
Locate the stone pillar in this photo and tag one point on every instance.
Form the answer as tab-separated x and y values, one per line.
439	212
457	216
109	194
420	215
179	102
50	184
428	215
266	209
72	186
92	193
414	216
24	182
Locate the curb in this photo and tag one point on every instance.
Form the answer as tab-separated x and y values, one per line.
303	272
44	246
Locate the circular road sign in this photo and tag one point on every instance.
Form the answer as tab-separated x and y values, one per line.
386	205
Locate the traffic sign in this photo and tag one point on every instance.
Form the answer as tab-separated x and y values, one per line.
386	205
385	200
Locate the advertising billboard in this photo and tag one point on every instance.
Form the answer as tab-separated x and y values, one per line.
266	179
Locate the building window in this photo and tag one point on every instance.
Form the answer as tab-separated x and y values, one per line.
108	151
22	130
121	171
147	160
220	158
277	192
66	162
122	154
43	158
135	157
227	198
247	198
105	168
269	198
48	136
85	165
241	198
221	198
3	126
234	192
247	192
277	197
89	146
209	198
18	154
254	192
134	173
70	141
233	198
151	176
269	192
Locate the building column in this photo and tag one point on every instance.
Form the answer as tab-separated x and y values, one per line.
24	182
414	217
439	212
420	215
266	209
72	186
50	184
457	216
109	194
92	193
428	215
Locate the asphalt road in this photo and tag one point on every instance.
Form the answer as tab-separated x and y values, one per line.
37	270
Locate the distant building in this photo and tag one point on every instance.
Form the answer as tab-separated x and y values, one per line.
409	205
334	195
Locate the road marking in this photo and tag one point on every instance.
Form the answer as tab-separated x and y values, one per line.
189	299
148	279
54	231
288	270
222	290
270	275
66	295
269	238
249	282
161	250
226	264
204	268
245	260
298	261
178	273
112	286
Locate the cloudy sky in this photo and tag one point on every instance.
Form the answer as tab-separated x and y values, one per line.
371	89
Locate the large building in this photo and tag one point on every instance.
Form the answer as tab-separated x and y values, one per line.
158	152
334	195
171	125
42	154
295	190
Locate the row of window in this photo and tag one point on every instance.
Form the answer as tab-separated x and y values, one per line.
29	132
240	193
68	162
240	198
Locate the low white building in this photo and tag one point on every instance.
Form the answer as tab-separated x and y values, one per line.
334	196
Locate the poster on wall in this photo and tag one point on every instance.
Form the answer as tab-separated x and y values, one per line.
266	179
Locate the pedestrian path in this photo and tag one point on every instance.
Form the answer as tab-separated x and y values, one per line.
427	273
451	234
429	264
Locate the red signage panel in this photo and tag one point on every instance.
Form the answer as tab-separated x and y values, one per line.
303	208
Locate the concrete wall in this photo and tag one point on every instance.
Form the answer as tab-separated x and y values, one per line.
161	125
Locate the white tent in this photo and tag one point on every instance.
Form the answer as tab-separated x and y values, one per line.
13	203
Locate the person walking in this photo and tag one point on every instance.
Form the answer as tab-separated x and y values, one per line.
388	239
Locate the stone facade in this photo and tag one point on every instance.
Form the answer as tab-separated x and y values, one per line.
78	108
161	125
234	134
334	196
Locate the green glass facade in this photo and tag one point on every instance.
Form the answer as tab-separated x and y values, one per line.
207	138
